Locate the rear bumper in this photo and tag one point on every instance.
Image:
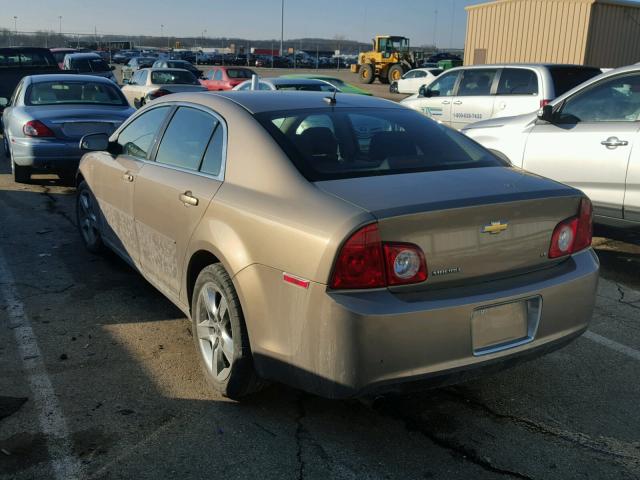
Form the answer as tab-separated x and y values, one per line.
46	154
349	344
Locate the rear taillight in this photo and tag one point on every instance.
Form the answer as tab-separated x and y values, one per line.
544	102
405	263
35	128
161	92
573	234
360	263
364	261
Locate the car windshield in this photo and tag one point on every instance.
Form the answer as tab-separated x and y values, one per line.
145	61
84	65
63	92
344	143
173	77
239	73
175	64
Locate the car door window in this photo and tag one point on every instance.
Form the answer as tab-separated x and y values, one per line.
409	75
137	137
186	138
443	87
476	82
212	162
218	75
612	100
420	74
142	78
518	81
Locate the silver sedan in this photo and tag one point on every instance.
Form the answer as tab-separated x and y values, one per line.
48	114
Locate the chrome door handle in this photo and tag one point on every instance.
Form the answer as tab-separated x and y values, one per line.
613	142
127	177
446	102
188	199
457	102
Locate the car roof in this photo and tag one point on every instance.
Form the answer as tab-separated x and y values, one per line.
158	69
68	78
259	101
82	55
526	65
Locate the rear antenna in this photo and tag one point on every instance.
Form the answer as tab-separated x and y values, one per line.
332	100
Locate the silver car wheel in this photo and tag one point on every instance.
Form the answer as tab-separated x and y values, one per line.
87	218
215	337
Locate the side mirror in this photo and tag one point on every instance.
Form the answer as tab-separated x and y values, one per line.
94	142
546	113
112	67
425	92
4	101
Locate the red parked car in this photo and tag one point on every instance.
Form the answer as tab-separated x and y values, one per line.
225	78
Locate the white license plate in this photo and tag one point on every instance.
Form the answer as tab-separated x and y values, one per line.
504	326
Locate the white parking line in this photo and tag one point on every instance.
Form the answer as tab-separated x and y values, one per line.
64	464
613	345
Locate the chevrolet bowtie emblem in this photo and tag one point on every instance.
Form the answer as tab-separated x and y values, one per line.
495	228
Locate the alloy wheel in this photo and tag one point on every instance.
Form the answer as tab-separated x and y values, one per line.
213	325
87	218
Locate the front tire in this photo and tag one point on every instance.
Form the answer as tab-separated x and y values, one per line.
220	334
395	73
88	219
366	74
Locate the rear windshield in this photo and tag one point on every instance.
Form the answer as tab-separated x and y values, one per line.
565	78
307	87
74	92
26	58
239	73
86	65
174	77
344	143
59	56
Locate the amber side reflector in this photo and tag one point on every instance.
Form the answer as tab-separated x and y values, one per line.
297	281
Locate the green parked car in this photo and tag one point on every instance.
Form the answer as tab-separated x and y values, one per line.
343	86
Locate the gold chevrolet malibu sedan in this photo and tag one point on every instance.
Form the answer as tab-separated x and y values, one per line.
344	246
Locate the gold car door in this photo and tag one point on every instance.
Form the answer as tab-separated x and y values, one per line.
173	192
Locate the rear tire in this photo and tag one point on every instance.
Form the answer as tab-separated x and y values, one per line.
87	218
220	334
366	74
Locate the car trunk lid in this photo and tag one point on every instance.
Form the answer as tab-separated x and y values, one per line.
471	224
75	121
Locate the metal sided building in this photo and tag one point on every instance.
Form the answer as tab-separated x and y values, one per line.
600	33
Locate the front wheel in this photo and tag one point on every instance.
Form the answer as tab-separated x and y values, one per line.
366	74
395	73
220	334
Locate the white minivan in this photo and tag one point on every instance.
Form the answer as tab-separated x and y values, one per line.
465	95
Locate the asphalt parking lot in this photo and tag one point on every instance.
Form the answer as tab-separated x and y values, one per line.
99	379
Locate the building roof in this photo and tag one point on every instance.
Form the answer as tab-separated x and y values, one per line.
622	3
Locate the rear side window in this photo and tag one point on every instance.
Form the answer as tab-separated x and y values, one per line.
518	81
476	82
565	78
136	138
186	138
346	143
212	162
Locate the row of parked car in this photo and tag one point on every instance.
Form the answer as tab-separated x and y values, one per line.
462	98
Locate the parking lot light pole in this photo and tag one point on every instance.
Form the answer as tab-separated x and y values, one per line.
59	24
282	28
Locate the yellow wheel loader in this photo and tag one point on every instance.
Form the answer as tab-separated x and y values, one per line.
388	61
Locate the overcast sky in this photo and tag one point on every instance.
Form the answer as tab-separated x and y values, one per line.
253	19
